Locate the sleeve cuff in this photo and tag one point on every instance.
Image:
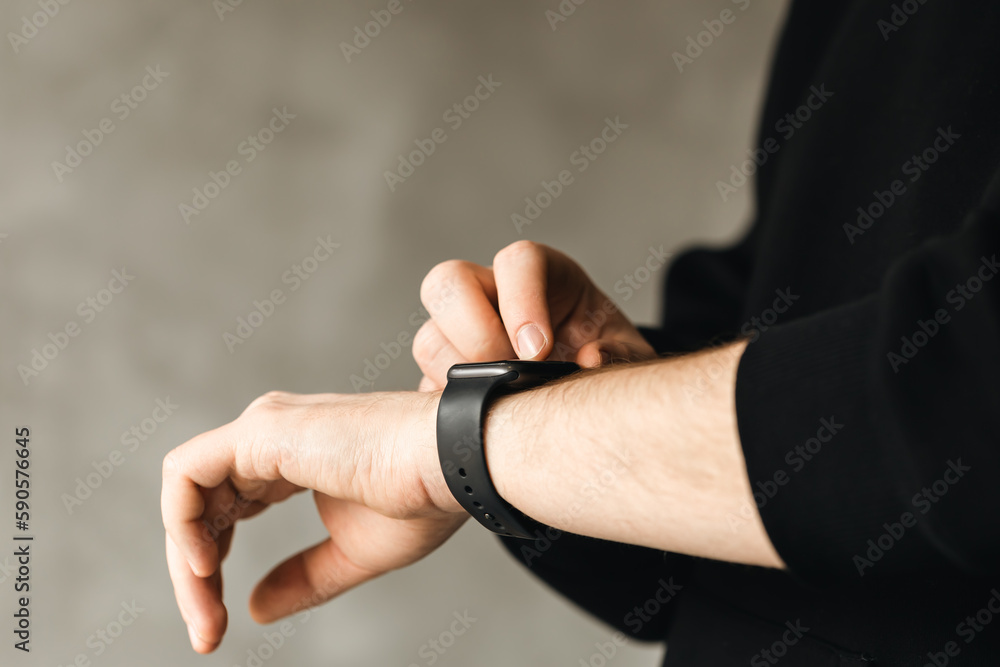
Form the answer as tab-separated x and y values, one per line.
808	425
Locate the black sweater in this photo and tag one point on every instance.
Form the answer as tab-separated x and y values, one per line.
867	401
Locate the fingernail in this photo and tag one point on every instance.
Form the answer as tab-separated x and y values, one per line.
530	341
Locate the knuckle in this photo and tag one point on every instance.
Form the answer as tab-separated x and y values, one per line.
436	276
440	281
518	250
267	402
170	463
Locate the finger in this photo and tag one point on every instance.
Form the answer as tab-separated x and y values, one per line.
364	545
606	351
253	509
537	289
305	580
434	353
199	600
461	299
224	506
322	571
220	509
202	462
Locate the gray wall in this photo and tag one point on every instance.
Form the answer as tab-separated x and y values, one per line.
323	175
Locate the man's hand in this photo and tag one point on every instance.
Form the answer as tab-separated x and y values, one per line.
371	461
534	303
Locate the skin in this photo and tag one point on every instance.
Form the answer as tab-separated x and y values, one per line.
649	466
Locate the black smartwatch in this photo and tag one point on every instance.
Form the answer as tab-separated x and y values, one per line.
460	419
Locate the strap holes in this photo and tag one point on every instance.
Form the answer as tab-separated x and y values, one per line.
461	472
468	490
478	505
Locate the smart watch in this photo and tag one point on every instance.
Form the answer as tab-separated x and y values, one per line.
460	420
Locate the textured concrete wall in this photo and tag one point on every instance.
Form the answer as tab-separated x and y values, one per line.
66	230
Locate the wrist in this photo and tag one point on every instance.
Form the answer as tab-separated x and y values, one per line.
506	445
425	450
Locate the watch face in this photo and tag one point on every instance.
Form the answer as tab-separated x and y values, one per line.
533	372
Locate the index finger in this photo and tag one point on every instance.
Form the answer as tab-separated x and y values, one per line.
461	299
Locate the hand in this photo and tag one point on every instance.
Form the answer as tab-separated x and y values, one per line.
371	460
534	303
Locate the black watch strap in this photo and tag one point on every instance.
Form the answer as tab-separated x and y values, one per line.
461	416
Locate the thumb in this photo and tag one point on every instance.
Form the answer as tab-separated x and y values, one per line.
521	274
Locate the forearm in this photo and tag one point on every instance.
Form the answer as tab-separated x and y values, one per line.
622	454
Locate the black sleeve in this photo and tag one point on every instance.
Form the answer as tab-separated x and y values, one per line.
872	431
704	295
611	581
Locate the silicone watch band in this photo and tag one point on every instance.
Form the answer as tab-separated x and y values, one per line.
460	419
